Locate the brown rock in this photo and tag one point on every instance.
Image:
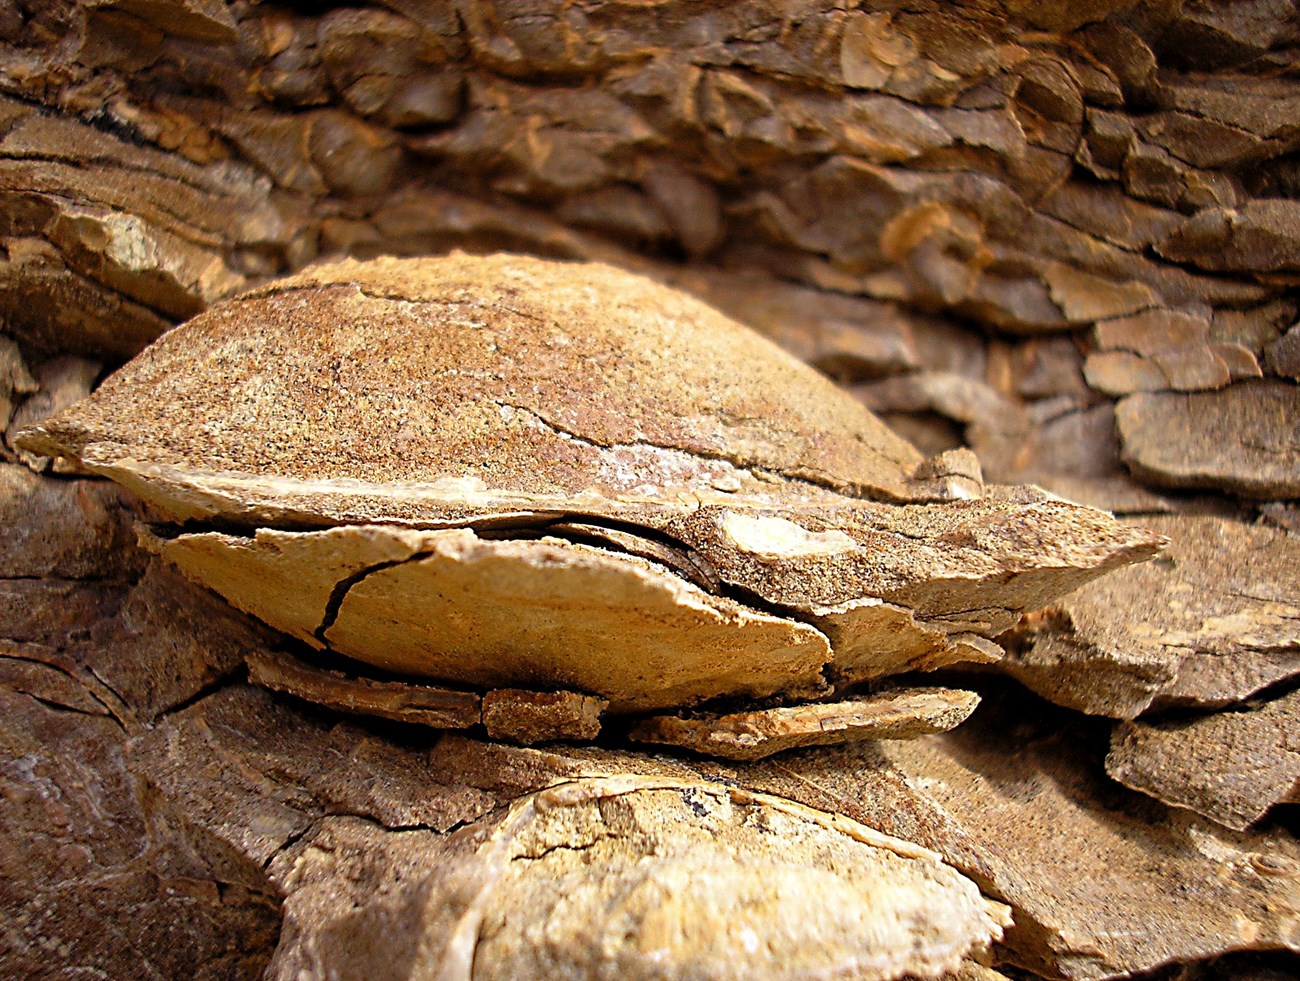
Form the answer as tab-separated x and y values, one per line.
352	306
1083	297
1103	882
492	838
1261	236
1230	767
1122	373
65	530
1209	623
624	424
1283	355
1196	440
1194	369
847	337
98	881
752	735
530	717
1153	331
15	380
603	864
59	383
441	708
957	397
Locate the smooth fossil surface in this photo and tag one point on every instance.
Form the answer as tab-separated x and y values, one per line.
504	472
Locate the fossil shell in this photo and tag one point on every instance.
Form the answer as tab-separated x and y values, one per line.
505	471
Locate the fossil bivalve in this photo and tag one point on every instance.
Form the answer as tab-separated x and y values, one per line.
574	486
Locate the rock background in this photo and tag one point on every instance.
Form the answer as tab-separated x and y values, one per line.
1065	235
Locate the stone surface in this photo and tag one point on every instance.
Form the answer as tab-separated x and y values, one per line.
1230	767
495	839
1196	440
429	605
656	531
552	382
1209	623
59	383
930	187
1103	882
16	382
530	717
441	708
1283	355
751	735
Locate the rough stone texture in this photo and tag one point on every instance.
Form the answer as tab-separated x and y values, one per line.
529	717
520	400
1102	882
99	879
951	189
1190	441
441	708
752	735
1230	767
99	876
487	833
590	377
1212	621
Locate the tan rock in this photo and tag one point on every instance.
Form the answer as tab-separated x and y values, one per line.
530	717
1211	622
15	380
1195	441
641	528
423	704
493	418
60	382
645	876
1123	373
1230	767
429	605
1102	882
751	735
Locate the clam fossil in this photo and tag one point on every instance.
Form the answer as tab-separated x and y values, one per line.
573	485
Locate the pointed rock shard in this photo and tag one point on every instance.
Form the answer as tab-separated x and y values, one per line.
424	704
752	735
1212	621
428	604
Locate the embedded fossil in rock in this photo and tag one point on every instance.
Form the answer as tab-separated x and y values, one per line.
504	472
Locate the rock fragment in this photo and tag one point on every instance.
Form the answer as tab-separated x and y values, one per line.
754	734
530	717
1262	236
1103	882
60	382
1195	440
1283	355
428	605
562	493
651	875
1230	767
15	381
441	708
1212	621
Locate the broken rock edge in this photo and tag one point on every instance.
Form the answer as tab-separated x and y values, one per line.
553	525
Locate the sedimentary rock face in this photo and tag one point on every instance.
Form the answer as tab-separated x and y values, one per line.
504	472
